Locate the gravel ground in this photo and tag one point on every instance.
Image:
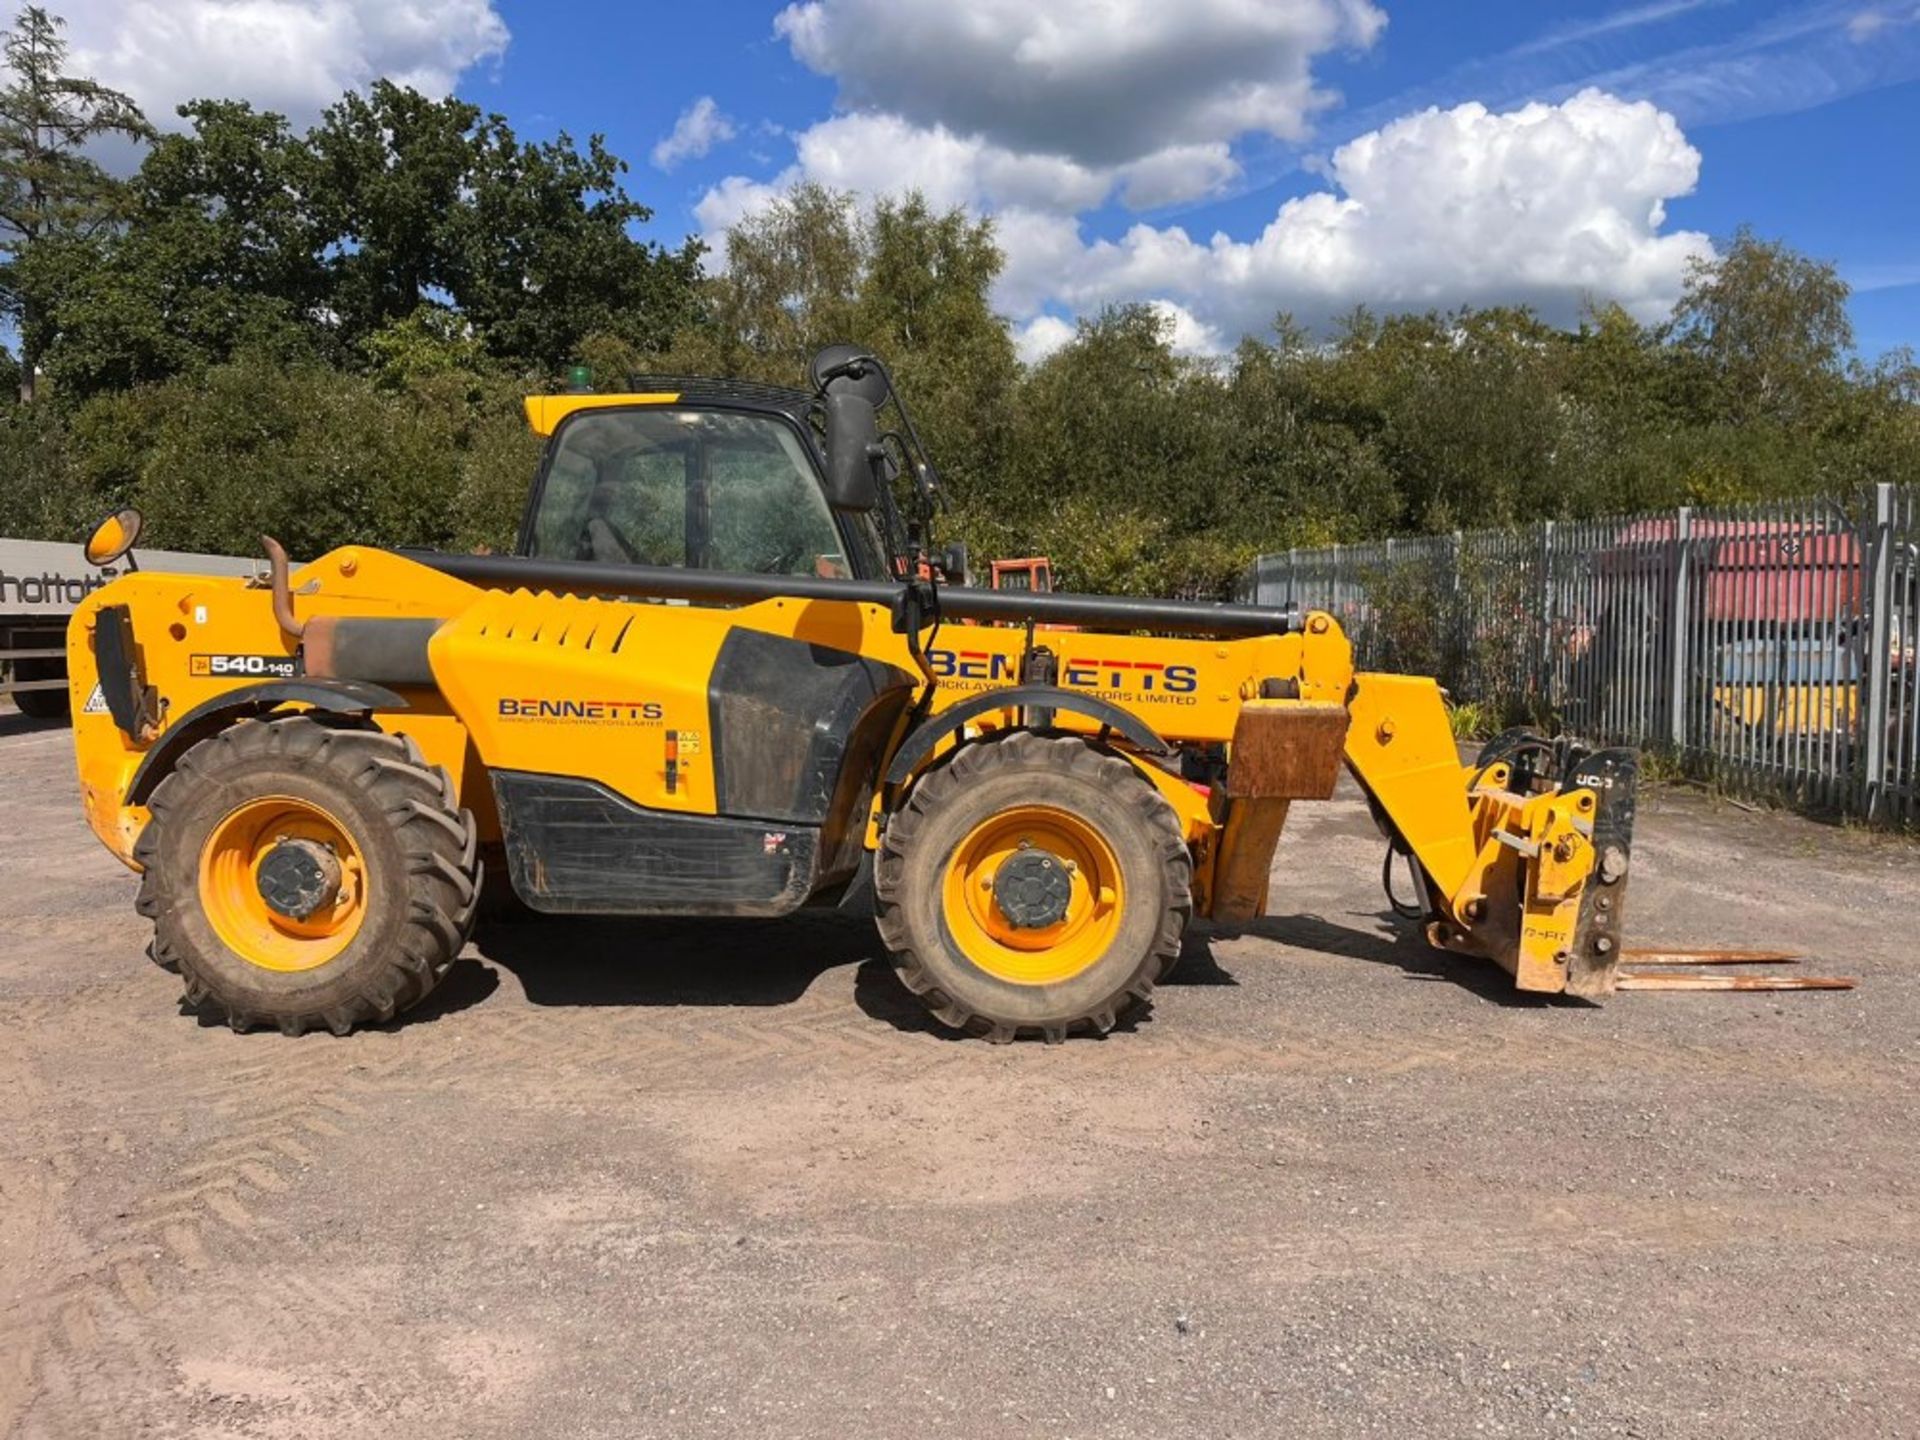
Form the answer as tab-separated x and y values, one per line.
715	1180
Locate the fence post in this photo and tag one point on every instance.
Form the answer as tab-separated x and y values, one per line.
1544	612
1385	654
1879	676
1460	628
1677	625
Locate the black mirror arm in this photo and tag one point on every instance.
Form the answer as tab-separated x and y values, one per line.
917	606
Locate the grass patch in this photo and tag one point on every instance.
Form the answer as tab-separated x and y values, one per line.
1473	720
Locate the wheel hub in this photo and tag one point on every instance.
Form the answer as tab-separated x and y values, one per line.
299	877
1033	889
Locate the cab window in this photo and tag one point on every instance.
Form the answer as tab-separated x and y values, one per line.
702	489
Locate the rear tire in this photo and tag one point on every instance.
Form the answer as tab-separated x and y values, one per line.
1083	953
394	825
42	704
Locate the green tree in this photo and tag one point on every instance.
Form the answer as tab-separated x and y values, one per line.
221	252
422	201
313	454
55	199
1120	467
923	303
909	283
1770	327
791	284
244	235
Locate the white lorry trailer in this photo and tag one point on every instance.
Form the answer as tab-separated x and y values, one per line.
40	584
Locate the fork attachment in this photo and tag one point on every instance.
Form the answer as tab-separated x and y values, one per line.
1545	895
1531	872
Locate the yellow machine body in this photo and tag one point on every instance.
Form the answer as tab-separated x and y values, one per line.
638	738
594	688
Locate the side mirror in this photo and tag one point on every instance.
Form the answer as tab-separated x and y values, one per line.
954	563
848	369
853	448
113	537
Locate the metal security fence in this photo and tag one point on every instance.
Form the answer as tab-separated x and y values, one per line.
1772	646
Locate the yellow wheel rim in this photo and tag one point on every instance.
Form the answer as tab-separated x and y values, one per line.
1088	915
231	896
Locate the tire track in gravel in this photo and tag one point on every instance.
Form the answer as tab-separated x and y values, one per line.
274	1109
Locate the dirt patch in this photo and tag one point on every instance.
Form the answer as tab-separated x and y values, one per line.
684	1179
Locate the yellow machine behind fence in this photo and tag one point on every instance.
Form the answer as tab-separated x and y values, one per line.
715	680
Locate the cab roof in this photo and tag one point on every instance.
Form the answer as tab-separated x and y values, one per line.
545	412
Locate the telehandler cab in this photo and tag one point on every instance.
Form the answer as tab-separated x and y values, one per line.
719	677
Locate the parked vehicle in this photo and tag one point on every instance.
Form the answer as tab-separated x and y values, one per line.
41	584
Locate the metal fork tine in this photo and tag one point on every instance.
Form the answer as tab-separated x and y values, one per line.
1710	957
1630	980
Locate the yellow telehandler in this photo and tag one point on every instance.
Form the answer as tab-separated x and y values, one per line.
719	677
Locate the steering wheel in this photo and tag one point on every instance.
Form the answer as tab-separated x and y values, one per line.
602	534
783	563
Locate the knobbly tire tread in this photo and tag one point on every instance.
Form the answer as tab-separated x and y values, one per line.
439	852
1028	752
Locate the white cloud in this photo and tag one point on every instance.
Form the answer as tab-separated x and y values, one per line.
1178	174
701	126
1039	250
730	202
1542	205
1865	25
1103	82
1187	333
293	56
1545	205
1040	337
883	154
875	154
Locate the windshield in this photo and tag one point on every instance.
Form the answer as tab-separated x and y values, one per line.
703	489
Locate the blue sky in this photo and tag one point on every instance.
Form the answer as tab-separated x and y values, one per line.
1805	129
1225	158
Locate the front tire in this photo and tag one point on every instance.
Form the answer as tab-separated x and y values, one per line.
299	875
1033	885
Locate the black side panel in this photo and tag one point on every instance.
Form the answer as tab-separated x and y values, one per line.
121	682
573	846
388	652
788	717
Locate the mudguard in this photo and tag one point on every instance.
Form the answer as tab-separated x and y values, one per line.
1051	698
357	698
